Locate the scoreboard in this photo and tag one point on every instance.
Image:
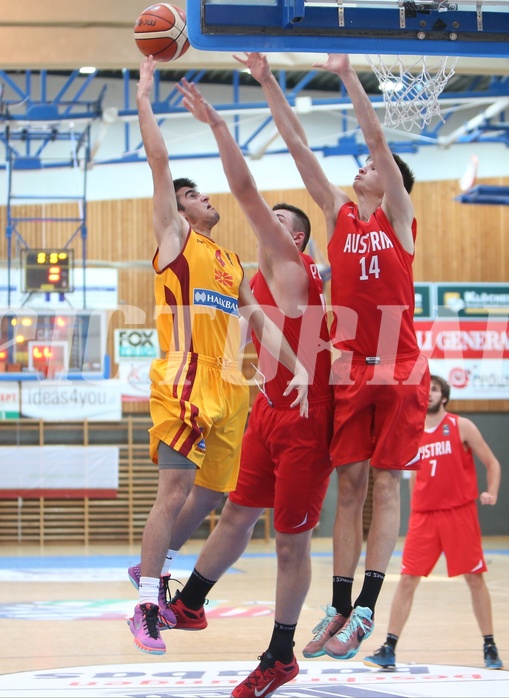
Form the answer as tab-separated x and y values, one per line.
47	271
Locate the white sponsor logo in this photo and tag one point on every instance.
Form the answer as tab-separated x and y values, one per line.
212	299
264	690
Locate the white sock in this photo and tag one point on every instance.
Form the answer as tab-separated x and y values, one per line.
169	560
148	591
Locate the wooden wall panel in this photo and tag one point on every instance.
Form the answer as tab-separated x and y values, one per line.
459	242
456	242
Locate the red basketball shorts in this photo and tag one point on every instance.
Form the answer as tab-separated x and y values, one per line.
379	412
285	463
454	532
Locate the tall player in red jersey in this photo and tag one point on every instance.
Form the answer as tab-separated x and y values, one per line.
443	518
285	462
381	381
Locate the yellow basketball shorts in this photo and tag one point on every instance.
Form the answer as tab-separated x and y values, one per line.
199	407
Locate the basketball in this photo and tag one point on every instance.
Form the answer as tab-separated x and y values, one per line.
161	31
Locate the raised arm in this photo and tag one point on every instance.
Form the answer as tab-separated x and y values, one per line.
274	341
396	202
329	197
170	228
472	437
278	255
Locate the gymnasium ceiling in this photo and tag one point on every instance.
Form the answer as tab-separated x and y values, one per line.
61	36
64	35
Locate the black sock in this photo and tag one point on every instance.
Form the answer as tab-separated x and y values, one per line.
195	591
371	588
281	642
391	640
342	595
489	640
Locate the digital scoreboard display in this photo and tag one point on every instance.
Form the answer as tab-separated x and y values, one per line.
47	271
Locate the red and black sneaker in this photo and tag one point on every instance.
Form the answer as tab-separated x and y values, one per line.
269	675
187	618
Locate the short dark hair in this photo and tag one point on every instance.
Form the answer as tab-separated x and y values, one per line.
183	182
406	173
303	223
445	388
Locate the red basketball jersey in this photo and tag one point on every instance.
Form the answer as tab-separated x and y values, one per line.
371	276
307	335
447	477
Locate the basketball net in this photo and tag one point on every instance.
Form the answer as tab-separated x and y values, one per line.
411	93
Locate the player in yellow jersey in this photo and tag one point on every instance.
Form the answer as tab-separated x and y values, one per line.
199	398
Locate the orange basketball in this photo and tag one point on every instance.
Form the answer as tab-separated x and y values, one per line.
161	31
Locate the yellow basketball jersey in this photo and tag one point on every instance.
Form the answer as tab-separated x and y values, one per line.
197	307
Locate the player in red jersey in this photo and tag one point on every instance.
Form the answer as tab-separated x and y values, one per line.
285	462
381	381
443	518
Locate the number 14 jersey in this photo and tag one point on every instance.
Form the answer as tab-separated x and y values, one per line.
371	276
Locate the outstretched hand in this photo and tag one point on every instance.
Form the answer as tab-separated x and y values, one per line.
299	383
335	63
195	102
147	69
257	64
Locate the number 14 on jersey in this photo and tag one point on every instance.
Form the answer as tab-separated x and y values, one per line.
373	269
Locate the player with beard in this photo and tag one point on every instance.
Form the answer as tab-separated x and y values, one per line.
443	519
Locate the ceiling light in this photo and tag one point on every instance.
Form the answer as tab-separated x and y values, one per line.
391	86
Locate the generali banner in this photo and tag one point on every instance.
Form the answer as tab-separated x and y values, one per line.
472	355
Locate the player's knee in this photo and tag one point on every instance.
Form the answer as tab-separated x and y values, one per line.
214	499
292	548
408	583
238	517
386	488
474	581
352	488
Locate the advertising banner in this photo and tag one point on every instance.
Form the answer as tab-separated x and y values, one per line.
134	380
466	300
132	344
473	356
72	400
70	472
9	400
424	300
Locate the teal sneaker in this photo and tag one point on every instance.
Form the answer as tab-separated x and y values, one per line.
330	624
491	658
384	658
346	643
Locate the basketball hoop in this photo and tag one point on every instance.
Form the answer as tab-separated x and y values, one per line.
411	93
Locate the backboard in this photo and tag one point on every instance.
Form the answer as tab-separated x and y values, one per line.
398	27
485	194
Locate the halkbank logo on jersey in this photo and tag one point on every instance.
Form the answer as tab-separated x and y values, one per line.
213	299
